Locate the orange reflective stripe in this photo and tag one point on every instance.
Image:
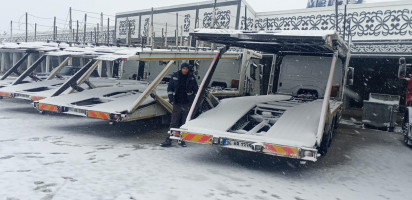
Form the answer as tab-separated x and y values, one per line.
37	98
5	94
46	107
282	151
196	138
98	115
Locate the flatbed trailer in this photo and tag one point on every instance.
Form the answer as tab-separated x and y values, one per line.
34	91
128	101
298	121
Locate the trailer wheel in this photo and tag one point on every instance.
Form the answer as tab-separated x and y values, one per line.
405	129
324	145
332	129
337	119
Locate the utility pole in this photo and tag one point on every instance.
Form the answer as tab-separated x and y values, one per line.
152	27
101	22
177	29
212	46
77	31
108	31
344	20
213	15
181	35
54	29
70	23
35	31
166	36
97	33
26	27
246	18
11	30
84	32
337	17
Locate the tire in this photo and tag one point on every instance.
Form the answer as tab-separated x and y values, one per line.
324	145
405	129
332	129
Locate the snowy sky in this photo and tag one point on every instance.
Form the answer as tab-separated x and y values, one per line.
43	11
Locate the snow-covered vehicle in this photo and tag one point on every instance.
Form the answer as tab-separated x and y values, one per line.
296	122
130	100
44	87
405	72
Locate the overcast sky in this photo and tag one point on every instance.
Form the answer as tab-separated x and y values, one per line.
43	11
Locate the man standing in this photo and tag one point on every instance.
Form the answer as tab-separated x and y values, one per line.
182	90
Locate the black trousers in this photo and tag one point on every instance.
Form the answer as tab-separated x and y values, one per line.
179	114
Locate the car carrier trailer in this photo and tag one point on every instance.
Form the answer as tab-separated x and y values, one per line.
129	101
27	49
41	89
296	122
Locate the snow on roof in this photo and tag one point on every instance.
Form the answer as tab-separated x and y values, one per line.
303	41
302	33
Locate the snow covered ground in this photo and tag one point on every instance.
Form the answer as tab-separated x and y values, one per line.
60	157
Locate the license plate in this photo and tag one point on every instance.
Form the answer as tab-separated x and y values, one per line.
22	95
236	143
76	110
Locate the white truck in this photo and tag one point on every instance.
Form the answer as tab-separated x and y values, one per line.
130	100
296	122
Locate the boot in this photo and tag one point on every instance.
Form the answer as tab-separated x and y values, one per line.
166	143
183	144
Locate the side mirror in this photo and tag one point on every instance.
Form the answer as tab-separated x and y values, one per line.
402	68
350	76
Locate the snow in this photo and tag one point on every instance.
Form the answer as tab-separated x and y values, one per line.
380	101
384	99
319	33
62	157
227	113
112	104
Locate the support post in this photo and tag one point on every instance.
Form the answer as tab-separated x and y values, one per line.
203	86
272	75
150	88
29	71
325	105
13	69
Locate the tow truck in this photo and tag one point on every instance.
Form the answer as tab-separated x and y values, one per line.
297	121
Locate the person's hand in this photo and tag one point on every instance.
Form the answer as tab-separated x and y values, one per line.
171	103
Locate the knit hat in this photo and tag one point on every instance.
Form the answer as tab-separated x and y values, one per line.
185	65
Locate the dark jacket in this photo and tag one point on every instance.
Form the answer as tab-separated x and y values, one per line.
191	86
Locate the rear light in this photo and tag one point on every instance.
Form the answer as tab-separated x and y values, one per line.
176	133
117	118
308	154
257	147
124	59
60	109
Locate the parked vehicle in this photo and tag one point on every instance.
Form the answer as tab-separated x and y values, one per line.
299	120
